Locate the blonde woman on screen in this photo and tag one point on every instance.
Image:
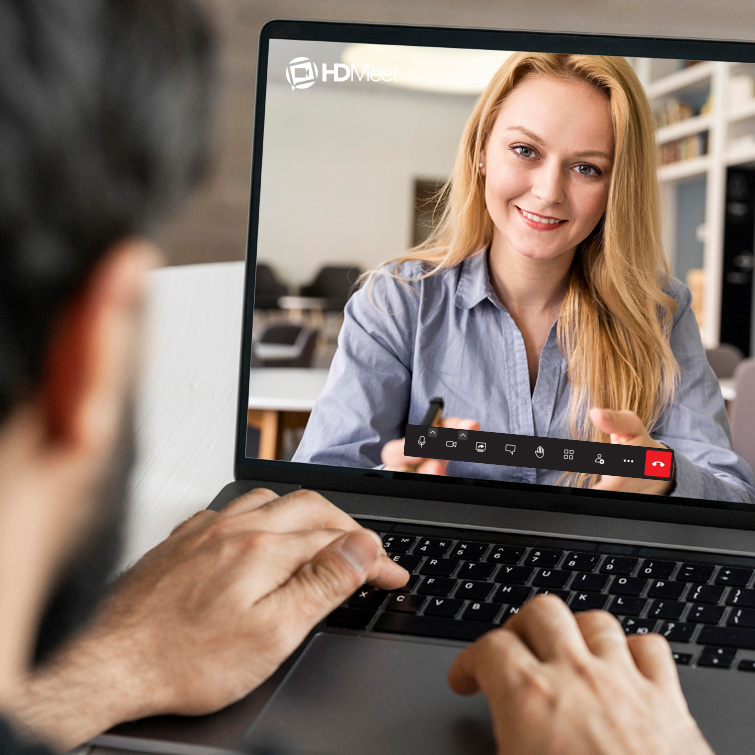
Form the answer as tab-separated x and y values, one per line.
542	303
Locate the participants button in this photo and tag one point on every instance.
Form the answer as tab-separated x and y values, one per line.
658	463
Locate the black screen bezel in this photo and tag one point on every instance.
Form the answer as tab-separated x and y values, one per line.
457	489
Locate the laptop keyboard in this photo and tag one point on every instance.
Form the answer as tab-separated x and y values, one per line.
464	583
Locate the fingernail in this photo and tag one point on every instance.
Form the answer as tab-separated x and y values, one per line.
359	549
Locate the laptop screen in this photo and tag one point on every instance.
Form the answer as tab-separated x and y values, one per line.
510	265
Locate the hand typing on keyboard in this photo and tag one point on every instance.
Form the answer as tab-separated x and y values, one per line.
213	610
558	682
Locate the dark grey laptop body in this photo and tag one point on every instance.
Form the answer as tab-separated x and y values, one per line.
363	692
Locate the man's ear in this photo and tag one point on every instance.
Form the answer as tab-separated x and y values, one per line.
90	350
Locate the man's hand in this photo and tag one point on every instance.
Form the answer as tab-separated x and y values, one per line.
626	428
208	614
394	459
558	683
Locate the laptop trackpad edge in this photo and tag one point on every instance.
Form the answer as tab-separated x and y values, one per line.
351	694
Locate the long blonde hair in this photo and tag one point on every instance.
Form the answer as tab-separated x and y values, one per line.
615	317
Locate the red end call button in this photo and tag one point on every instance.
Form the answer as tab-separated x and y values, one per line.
658	463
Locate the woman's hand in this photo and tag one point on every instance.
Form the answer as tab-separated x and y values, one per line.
626	428
393	451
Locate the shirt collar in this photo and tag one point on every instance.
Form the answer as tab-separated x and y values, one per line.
474	282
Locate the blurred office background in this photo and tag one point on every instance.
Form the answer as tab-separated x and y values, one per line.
396	146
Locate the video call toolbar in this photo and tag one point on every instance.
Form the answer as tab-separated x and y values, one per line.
541	453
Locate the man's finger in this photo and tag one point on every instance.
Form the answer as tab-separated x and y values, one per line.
652	655
301	510
250	501
323	583
194	521
548	627
497	658
603	635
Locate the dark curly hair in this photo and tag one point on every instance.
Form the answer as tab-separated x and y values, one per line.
104	126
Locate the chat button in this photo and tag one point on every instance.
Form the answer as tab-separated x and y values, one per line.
658	463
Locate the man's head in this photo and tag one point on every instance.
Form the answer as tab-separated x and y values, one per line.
104	123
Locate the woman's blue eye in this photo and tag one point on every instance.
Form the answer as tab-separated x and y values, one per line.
585	169
525	150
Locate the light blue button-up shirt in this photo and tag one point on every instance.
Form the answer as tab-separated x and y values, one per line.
449	335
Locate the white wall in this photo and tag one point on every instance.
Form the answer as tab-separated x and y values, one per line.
338	171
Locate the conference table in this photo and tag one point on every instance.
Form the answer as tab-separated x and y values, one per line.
280	399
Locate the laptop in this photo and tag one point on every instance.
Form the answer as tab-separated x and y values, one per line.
357	132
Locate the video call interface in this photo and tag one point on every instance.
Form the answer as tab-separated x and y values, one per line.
442	284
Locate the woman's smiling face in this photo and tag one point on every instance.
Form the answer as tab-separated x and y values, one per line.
547	166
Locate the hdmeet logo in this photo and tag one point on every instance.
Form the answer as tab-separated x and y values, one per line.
302	73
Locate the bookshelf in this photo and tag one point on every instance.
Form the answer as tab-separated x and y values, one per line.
706	115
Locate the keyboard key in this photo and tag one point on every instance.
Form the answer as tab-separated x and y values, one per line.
656	569
475	570
447	607
474	590
432	626
511	594
638	626
619	565
508	612
441	586
469	551
746	665
563	594
411	583
405	603
481	612
506	554
367	597
705	593
627	586
581	562
666	609
675	631
742	617
728	575
350	618
705	614
551	578
728	637
667	590
587	601
543	557
590	582
625	606
409	563
717	657
695	573
431	546
682	659
513	575
398	543
742	598
439	567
